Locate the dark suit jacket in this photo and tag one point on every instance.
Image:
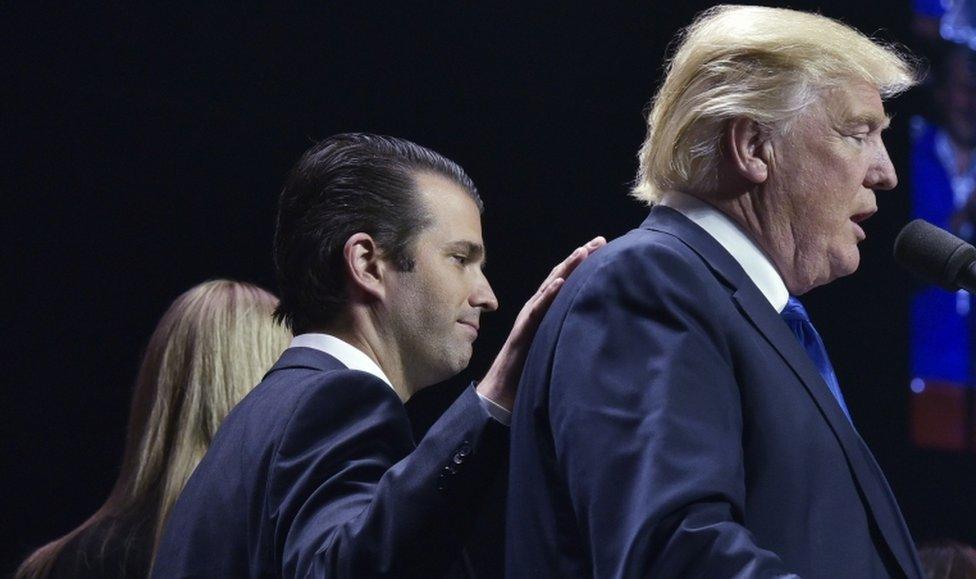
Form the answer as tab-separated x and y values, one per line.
669	424
315	473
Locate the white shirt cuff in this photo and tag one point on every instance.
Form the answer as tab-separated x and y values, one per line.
495	410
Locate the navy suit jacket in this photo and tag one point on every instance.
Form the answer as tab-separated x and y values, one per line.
315	474
669	424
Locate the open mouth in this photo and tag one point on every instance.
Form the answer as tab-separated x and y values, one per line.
859	217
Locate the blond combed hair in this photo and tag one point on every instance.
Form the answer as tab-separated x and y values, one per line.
211	347
766	64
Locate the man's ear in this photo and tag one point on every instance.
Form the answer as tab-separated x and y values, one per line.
363	265
749	149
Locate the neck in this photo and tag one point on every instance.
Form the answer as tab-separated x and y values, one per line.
764	224
358	330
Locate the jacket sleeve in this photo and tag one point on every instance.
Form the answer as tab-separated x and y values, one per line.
646	418
350	496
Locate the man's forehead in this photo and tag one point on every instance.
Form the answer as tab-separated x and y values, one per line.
857	104
453	216
440	194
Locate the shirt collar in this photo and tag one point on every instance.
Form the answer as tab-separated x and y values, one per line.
730	236
350	356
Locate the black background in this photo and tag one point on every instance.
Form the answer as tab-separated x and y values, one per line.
144	148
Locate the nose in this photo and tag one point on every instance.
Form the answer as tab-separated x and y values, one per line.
483	297
881	174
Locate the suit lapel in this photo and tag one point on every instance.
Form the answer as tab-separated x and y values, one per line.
756	308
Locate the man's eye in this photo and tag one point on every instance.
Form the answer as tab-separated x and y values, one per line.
461	259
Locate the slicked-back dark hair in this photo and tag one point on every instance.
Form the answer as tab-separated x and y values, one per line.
347	184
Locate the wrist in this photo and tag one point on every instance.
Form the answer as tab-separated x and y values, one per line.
494	389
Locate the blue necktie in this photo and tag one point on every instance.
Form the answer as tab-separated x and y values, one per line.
798	320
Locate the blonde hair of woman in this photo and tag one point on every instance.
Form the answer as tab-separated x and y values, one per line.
211	347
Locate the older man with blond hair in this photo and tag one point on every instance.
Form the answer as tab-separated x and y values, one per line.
678	415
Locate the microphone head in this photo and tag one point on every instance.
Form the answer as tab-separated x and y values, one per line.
933	254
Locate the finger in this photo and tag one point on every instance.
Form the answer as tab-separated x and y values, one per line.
595	243
570	263
566	267
552	289
546	296
557	271
535	309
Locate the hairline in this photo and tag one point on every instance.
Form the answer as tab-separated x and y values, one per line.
414	172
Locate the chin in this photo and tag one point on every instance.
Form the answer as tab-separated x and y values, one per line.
460	361
846	264
463	362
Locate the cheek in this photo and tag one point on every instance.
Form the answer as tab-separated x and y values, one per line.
818	224
461	288
843	185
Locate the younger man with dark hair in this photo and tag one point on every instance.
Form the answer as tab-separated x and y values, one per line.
379	252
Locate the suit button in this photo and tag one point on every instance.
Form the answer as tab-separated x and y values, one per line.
449	469
464	449
458	458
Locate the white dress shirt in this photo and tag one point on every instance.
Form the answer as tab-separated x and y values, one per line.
730	236
355	359
350	356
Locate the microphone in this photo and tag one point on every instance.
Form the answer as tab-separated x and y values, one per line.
936	256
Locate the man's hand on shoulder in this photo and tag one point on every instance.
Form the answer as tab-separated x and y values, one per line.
501	382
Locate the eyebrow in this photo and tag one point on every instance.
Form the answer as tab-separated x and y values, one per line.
469	248
872	121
